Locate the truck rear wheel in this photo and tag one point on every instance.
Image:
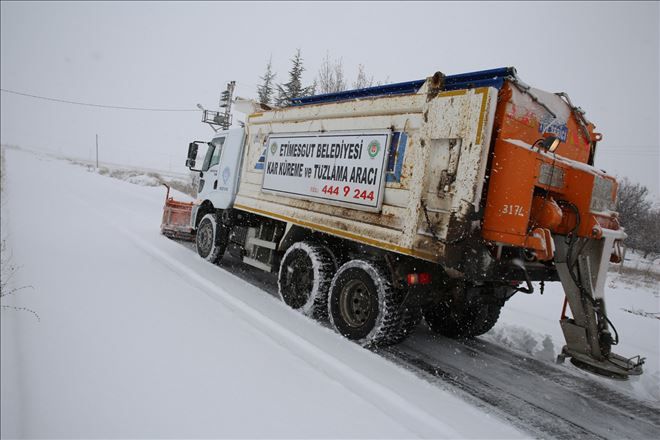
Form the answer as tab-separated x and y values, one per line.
410	318
211	238
462	319
362	304
304	279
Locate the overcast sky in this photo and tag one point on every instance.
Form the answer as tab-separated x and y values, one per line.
175	55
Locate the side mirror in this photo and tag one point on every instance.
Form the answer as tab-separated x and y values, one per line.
192	155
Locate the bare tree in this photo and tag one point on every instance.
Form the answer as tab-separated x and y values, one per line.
633	207
385	81
8	269
331	76
340	81
651	243
362	81
644	236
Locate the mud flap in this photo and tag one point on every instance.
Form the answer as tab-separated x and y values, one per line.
582	268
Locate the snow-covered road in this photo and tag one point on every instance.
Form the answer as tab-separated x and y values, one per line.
140	338
137	338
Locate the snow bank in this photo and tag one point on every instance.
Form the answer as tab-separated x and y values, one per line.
185	184
538	345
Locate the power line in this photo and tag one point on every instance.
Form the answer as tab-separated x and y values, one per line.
619	151
116	107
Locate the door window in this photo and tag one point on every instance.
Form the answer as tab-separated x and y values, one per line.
214	153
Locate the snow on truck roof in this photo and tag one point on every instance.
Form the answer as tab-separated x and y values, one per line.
483	78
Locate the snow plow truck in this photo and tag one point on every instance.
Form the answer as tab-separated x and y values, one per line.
437	199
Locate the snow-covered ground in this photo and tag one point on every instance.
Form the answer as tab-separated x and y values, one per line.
138	338
635	262
530	323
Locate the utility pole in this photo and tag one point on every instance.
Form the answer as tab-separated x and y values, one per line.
220	118
225	102
97	151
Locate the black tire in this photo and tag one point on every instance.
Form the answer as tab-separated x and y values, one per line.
362	304
304	279
410	318
211	238
462	319
333	258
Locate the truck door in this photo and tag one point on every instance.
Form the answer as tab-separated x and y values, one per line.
221	168
208	178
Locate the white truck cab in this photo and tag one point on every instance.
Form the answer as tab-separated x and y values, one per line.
220	170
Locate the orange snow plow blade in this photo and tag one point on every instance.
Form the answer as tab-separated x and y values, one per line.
176	219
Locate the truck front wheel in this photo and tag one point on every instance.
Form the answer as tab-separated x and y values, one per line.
363	306
211	238
304	279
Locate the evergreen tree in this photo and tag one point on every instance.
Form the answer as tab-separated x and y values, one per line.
294	88
265	90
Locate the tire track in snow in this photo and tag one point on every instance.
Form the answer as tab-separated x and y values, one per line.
523	414
617	402
549	400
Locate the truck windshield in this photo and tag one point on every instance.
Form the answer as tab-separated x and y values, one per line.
214	153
